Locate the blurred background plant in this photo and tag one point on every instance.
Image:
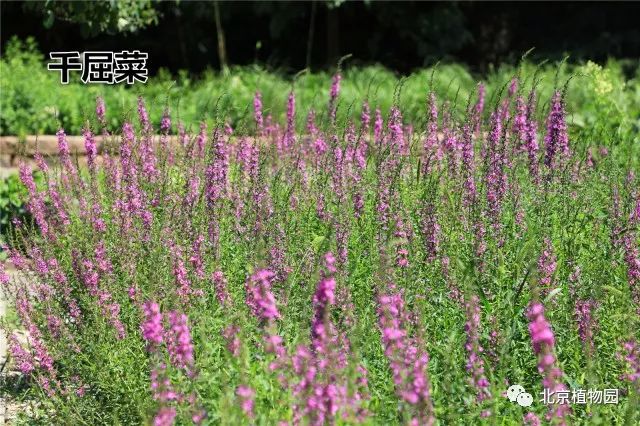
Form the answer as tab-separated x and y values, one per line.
13	196
34	102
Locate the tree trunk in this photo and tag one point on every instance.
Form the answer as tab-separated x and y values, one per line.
222	50
333	36
312	26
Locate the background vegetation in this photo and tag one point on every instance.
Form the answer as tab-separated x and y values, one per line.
34	102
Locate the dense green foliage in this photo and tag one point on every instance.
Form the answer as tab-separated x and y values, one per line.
268	203
34	102
97	17
13	196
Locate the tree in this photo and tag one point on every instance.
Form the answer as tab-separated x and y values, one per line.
100	16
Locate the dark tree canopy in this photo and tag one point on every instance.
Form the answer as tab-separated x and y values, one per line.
400	35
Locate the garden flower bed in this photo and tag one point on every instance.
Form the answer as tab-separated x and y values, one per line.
375	271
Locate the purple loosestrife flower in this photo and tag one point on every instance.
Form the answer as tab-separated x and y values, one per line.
149	160
61	282
193	190
530	419
230	334
143	116
478	108
196	259
513	87
91	149
557	139
358	204
244	155
63	146
520	123
398	143
151	327
201	140
451	143
133	199
97	221
4	277
17	259
165	128
401	234
179	345
631	356
324	296
246	395
531	141
183	136
475	363
216	173
161	386
337	182
468	167
61	216
586	323
65	157
273	344
101	111
259	297
91	279
384	199
220	288
320	146
40	265
361	159
165	122
377	128
40	161
320	367
35	203
543	342
228	130
632	259
333	96
431	147
496	177
257	113
365	118
26	314
430	230
102	261
112	312
407	360
312	128
23	359
165	416
288	139
180	273
635	214
547	265
277	255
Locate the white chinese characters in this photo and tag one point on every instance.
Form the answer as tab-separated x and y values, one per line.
580	396
517	393
101	67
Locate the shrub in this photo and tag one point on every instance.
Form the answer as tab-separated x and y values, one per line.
34	102
376	270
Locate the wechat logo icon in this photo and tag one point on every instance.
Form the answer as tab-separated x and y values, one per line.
516	393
